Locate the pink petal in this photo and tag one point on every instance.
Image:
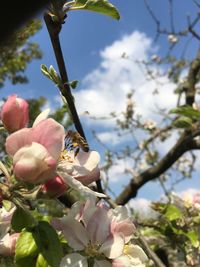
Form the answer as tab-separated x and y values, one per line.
98	226
126	227
15	113
17	140
113	246
51	135
90	177
86	162
74	233
33	164
122	261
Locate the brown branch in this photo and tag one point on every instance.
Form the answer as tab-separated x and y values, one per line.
192	79
54	29
185	143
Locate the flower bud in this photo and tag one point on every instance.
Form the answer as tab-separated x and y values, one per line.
54	187
15	113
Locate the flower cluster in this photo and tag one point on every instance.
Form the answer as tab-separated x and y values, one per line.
99	235
39	155
7	240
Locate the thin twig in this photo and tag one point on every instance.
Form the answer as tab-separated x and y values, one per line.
54	30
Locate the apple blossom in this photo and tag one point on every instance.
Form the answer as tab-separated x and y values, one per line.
99	234
7	241
80	170
36	151
15	113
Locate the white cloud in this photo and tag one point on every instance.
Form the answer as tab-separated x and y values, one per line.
105	88
117	171
141	206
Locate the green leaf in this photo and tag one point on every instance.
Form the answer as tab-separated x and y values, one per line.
25	248
193	237
41	262
100	6
172	213
187	111
183	122
48	243
22	218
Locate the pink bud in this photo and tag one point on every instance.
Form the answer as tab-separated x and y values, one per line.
54	187
15	113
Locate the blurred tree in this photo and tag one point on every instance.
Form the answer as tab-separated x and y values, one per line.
17	51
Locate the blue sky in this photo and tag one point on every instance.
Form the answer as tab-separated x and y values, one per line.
90	44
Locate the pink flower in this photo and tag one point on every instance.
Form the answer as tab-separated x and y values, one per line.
54	187
15	113
36	151
92	230
80	170
8	243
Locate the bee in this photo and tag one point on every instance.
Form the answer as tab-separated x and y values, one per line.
75	142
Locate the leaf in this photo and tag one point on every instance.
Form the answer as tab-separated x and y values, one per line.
100	6
193	237
25	262
73	84
25	247
48	243
22	218
183	122
172	213
41	262
186	111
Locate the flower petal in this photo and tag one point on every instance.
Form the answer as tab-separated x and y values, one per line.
90	177
86	162
74	232
113	246
98	226
17	140
33	164
50	134
74	260
136	251
73	183
122	261
42	116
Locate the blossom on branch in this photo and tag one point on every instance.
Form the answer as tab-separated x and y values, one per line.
100	235
35	151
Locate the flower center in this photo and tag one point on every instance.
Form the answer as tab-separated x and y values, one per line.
92	250
65	156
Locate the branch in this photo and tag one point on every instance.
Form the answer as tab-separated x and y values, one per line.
185	143
54	29
192	79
